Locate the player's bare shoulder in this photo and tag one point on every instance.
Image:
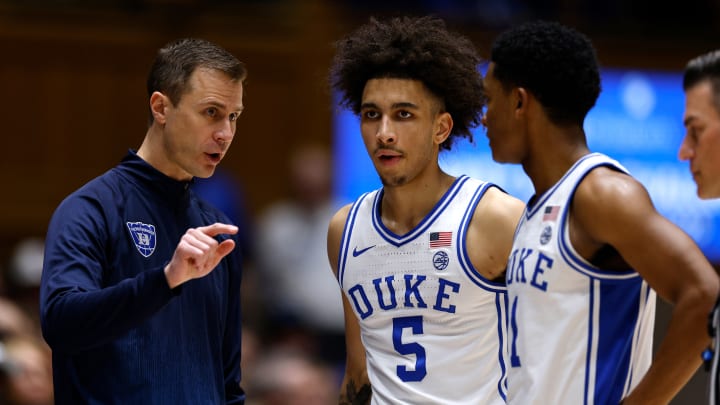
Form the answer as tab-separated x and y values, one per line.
490	234
607	197
497	205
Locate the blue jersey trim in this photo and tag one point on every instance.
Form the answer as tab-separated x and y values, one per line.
533	207
399	240
501	303
461	246
347	233
616	332
578	263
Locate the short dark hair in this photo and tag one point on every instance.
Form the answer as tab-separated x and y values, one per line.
557	64
416	48
176	61
705	67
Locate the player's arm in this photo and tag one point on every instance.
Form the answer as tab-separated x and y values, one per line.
355	388
612	208
490	235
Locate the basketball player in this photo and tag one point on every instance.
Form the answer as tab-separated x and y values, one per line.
590	250
139	292
701	147
421	260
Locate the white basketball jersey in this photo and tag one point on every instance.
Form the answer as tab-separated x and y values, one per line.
578	334
433	328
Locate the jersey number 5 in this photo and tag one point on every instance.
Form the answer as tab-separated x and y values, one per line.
415	324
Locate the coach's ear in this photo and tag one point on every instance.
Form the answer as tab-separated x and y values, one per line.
158	106
443	127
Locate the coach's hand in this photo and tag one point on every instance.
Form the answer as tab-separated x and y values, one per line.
198	253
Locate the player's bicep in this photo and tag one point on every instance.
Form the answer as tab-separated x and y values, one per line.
617	210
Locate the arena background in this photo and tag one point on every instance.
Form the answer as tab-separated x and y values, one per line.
72	80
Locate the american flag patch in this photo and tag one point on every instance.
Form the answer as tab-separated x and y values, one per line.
551	212
440	239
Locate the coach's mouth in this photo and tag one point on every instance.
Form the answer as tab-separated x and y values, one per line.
215	157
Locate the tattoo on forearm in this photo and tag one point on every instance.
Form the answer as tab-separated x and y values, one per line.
355	396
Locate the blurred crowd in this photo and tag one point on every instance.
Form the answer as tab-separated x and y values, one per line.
25	366
293	332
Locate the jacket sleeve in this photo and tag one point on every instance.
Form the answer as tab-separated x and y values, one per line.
78	312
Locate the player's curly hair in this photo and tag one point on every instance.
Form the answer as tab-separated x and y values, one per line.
417	48
557	64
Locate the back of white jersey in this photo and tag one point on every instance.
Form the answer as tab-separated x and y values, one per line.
433	328
578	334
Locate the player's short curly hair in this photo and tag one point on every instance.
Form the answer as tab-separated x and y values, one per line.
417	48
557	64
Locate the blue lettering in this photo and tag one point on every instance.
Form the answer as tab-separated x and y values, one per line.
359	290
442	295
540	270
413	289
391	292
511	268
520	268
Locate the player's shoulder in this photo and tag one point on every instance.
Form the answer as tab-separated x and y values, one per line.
607	186
495	202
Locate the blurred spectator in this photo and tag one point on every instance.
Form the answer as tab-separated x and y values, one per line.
14	321
22	277
301	294
291	378
25	372
26	263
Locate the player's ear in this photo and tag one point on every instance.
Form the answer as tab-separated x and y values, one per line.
158	106
443	127
521	100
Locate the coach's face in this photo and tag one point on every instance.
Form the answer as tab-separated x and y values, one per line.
701	145
197	132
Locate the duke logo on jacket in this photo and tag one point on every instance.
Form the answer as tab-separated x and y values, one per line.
143	236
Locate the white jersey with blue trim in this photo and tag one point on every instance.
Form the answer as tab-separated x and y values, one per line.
578	334
433	328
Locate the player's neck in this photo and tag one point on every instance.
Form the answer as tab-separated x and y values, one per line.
403	207
545	168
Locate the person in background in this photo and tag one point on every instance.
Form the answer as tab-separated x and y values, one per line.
25	371
301	296
421	260
287	376
139	295
590	251
701	148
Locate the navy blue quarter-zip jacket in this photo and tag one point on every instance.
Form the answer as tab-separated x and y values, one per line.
118	333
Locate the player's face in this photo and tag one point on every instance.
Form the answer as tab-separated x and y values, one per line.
701	145
402	127
199	129
503	136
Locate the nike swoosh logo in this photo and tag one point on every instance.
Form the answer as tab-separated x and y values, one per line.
357	252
